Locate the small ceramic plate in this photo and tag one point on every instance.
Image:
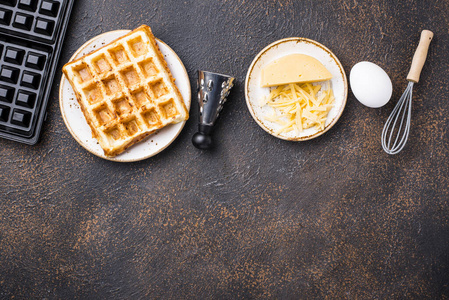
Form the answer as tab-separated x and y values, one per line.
80	130
254	92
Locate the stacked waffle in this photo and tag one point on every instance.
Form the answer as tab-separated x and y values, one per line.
126	91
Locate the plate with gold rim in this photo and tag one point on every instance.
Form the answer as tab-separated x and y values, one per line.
295	45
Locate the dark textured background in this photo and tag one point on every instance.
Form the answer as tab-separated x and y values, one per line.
258	217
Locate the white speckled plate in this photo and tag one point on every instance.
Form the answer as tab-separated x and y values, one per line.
80	130
254	92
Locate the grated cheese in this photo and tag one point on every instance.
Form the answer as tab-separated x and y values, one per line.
299	106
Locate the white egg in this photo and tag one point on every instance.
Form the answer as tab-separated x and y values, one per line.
370	84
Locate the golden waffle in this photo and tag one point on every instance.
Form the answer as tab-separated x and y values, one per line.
126	91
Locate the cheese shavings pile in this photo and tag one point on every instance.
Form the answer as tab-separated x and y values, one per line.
299	106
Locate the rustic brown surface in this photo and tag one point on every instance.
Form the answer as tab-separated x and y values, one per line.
257	217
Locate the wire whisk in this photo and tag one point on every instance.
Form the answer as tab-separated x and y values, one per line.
393	138
402	110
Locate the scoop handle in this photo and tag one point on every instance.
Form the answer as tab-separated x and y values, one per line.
420	56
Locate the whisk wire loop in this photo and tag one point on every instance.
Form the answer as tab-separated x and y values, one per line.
390	132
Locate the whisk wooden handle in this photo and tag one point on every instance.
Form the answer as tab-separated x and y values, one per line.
420	56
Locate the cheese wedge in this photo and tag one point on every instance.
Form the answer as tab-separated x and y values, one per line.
294	68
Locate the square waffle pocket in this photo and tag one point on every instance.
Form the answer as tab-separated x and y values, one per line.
126	91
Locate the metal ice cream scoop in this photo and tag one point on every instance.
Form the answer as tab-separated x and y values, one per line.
213	90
